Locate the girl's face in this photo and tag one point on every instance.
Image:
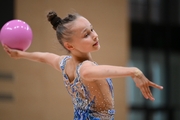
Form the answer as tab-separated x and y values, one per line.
84	38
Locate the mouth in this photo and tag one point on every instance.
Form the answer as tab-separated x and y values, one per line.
95	44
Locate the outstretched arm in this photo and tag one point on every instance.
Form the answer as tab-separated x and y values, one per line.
44	57
89	71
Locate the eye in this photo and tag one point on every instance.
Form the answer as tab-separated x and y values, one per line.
86	35
92	30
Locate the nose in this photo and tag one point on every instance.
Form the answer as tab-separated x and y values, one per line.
95	36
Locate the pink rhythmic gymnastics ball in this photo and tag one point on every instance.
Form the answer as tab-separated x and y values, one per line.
16	34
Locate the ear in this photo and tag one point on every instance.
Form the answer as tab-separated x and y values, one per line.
68	46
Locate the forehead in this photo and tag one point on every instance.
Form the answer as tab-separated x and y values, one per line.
80	24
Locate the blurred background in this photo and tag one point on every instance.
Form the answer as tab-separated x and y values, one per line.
140	33
154	35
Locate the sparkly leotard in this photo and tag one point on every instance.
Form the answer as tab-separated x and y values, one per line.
90	100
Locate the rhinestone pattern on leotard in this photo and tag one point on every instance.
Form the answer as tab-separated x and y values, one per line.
85	105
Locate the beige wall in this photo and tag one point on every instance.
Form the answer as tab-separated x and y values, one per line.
37	88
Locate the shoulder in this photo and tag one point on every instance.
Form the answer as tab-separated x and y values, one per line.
64	58
62	61
85	65
85	69
88	63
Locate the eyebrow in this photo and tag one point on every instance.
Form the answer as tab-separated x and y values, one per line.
85	29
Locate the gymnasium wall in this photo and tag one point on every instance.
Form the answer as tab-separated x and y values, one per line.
36	91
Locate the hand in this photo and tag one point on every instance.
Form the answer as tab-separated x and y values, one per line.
143	84
12	52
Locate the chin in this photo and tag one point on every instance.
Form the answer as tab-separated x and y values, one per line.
96	49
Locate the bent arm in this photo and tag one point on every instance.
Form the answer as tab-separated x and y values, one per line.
90	71
43	57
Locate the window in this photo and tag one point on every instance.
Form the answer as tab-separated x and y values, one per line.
155	32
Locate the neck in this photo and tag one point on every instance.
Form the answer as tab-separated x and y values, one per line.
81	57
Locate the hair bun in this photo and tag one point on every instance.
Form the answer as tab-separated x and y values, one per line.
54	19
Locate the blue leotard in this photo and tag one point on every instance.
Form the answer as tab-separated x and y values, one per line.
83	105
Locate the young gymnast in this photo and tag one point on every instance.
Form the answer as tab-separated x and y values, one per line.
88	83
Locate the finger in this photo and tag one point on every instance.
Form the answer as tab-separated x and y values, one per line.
144	92
2	44
7	50
149	93
147	90
155	85
5	47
